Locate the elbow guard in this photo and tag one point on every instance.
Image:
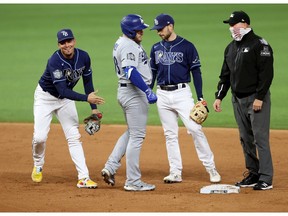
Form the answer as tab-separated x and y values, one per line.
128	70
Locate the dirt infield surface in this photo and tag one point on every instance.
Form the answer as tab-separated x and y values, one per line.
58	192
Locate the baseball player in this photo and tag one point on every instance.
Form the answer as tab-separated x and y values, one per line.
54	95
248	69
134	76
172	60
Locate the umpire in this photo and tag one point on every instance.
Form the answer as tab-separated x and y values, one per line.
248	70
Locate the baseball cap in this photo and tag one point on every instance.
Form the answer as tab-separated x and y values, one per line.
236	17
161	21
64	34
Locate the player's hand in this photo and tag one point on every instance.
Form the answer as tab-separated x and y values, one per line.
204	102
95	99
97	112
217	105
151	96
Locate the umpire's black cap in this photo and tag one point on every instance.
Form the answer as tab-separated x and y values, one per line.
236	17
64	34
161	21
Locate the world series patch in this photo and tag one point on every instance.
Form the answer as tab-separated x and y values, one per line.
57	74
131	56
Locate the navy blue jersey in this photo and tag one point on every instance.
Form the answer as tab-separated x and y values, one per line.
61	75
172	62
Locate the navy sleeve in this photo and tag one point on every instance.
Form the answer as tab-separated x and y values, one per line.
153	67
87	79
197	80
68	93
88	86
154	76
193	56
195	65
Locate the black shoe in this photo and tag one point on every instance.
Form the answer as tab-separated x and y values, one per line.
248	181
261	185
108	177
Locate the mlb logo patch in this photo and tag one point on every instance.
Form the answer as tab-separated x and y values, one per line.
245	50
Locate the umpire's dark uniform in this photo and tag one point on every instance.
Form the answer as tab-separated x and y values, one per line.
248	69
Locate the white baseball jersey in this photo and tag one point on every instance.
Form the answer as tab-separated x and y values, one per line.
127	52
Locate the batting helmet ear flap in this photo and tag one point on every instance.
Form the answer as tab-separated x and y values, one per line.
128	31
132	23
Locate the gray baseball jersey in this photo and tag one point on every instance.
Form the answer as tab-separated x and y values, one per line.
135	106
126	52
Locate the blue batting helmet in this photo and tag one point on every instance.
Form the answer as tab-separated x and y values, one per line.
132	23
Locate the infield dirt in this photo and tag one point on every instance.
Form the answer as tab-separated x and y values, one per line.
58	192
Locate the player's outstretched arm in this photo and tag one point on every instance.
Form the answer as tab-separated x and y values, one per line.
95	99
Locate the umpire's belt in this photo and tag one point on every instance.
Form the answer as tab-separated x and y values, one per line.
172	87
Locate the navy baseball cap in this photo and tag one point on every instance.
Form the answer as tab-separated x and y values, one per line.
161	21
64	34
236	17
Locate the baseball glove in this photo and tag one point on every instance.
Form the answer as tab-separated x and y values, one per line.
199	112
92	123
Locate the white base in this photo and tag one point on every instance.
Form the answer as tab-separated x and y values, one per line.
220	189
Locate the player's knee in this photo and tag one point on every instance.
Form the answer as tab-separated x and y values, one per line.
72	133
171	134
138	133
194	129
171	137
74	140
39	138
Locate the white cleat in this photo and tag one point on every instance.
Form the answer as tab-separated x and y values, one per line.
173	178
142	186
214	176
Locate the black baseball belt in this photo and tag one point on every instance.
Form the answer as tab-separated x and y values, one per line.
172	87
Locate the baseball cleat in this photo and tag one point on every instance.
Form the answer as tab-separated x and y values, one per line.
172	178
142	186
108	177
37	174
214	176
86	183
249	181
261	185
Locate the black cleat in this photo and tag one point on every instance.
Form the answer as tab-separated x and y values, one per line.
261	185
107	177
249	181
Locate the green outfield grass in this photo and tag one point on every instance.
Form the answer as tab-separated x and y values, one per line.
28	38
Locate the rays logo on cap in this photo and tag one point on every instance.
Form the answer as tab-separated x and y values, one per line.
156	22
64	33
